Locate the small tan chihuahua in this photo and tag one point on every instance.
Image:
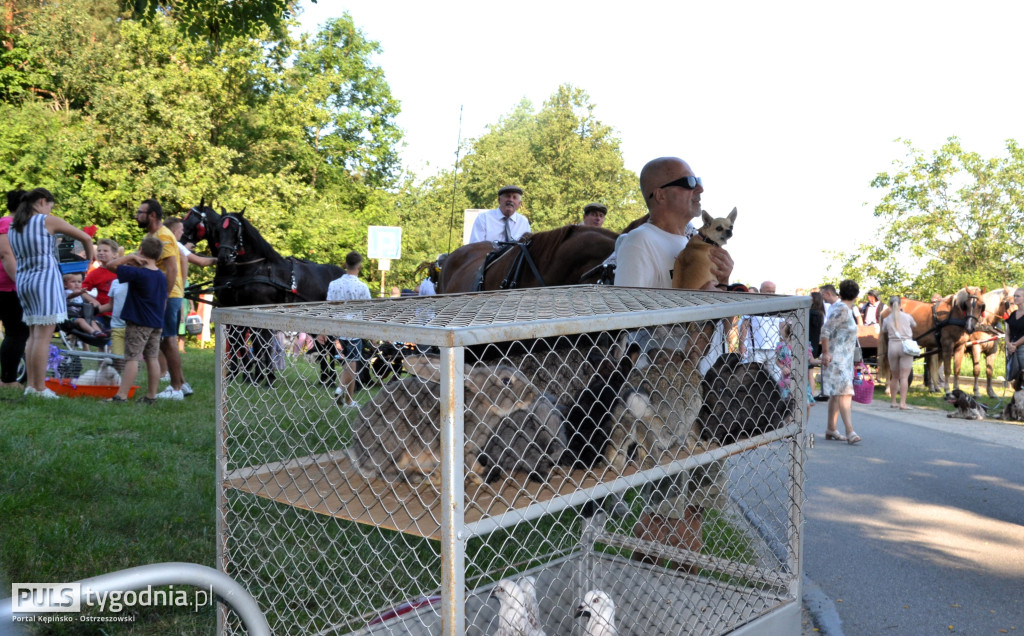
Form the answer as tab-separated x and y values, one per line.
692	269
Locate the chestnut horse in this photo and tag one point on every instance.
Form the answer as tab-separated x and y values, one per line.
569	255
985	341
942	330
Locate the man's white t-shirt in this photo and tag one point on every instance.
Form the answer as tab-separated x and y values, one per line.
646	256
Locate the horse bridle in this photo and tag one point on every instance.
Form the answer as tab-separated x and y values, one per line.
239	248
201	229
969	322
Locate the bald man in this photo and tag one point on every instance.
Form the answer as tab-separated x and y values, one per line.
647	254
645	258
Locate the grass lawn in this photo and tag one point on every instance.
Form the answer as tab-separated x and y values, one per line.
90	488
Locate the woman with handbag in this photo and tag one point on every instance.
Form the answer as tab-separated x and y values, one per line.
838	340
899	326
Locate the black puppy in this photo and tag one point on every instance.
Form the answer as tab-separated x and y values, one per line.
967	407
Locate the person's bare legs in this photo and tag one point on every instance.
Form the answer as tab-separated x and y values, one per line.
904	384
37	354
844	406
348	377
169	347
152	376
833	414
131	370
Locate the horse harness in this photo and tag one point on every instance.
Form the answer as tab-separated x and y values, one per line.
511	280
291	287
968	323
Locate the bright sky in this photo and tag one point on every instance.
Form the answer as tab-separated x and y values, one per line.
787	110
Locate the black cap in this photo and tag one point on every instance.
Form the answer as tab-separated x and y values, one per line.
595	207
509	189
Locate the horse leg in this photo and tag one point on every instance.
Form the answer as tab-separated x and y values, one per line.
234	347
947	365
976	366
931	367
990	358
957	361
262	363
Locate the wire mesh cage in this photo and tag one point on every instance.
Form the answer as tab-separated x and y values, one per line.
551	457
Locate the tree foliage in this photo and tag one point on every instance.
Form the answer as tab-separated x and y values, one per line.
107	103
949	219
307	146
562	156
217	20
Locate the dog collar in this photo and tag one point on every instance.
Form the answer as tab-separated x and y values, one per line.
706	239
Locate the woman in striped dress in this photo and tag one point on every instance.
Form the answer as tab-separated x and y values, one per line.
38	279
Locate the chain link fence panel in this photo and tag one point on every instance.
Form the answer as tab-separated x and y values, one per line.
550	457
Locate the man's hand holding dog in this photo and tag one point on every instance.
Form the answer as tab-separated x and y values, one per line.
721	266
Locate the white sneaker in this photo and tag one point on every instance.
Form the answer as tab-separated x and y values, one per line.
338	391
45	393
170	394
186	390
166	377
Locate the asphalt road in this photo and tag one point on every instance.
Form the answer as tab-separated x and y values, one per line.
919	529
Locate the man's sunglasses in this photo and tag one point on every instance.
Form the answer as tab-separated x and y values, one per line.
690	183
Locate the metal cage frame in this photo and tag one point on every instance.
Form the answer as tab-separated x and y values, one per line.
454	322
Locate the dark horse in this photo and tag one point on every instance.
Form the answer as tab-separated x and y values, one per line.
201	223
569	255
251	272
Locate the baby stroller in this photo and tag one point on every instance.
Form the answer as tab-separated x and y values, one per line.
71	261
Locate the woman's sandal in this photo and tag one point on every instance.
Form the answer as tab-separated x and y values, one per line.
854	438
116	400
836	435
147	400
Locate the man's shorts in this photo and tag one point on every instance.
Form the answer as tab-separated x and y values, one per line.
172	316
141	342
351	349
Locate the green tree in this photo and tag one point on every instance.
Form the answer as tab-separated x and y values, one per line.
217	20
949	219
564	158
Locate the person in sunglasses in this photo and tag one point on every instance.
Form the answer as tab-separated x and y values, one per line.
645	258
647	254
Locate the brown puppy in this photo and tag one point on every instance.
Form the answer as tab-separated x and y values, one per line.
692	269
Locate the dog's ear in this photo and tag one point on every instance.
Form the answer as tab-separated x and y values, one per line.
707	218
732	216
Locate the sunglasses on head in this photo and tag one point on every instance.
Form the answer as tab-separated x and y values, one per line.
690	183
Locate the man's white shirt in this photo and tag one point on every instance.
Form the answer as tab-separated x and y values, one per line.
490	226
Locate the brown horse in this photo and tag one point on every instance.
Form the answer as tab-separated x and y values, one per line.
942	330
569	255
985	341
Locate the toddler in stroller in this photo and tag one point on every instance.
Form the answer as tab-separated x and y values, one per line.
81	323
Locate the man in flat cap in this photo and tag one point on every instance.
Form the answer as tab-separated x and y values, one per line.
593	214
503	223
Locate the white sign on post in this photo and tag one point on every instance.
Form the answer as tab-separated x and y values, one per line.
384	242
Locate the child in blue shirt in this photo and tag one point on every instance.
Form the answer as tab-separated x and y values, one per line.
143	314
